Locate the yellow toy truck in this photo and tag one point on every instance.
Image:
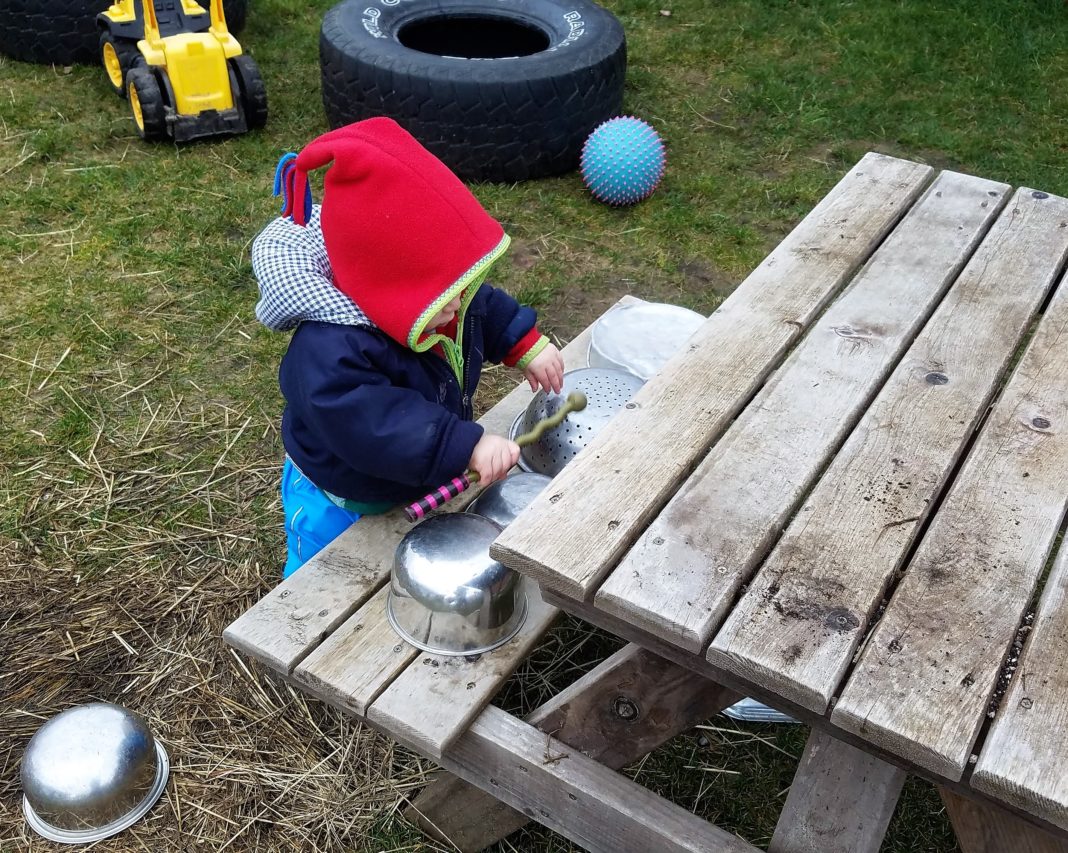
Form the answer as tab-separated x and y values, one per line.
182	70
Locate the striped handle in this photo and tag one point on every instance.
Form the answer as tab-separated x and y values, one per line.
419	510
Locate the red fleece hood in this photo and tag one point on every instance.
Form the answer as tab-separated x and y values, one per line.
403	233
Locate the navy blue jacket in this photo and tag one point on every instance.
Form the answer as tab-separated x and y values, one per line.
370	420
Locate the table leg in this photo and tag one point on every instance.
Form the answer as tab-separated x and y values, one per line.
626	707
841	800
984	828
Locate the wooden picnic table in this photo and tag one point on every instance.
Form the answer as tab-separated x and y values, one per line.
844	497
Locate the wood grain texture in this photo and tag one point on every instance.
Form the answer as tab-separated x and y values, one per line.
841	800
700	666
432	701
984	828
597	808
800	622
605	496
1023	757
683	573
930	666
358	660
299	613
592	716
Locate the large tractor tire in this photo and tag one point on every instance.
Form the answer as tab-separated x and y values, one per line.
498	91
64	32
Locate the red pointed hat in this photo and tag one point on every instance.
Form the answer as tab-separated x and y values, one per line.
403	233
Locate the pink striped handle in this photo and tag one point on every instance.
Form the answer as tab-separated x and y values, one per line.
421	508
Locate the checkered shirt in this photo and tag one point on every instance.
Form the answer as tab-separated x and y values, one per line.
295	279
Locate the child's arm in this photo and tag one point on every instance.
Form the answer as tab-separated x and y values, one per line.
512	337
337	391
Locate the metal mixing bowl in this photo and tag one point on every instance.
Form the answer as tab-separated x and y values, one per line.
641	337
447	595
90	772
503	500
607	391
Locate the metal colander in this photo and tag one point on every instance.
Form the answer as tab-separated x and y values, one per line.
606	393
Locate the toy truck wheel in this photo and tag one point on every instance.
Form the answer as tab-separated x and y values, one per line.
117	58
146	104
251	91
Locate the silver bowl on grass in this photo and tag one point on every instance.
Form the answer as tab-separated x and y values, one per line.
90	772
447	596
607	391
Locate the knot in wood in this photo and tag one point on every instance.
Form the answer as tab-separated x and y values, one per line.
936	377
1039	194
1040	423
625	709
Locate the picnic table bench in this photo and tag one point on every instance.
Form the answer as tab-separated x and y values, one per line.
844	497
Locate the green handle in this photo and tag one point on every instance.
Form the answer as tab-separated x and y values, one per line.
576	402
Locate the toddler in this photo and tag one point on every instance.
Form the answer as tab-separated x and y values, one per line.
384	286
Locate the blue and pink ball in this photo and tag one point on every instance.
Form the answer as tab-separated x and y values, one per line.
622	161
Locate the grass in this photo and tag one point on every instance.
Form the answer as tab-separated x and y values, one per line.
139	411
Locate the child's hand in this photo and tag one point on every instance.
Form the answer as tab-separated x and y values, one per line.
546	370
493	457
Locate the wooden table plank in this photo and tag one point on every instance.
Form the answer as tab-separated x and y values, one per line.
432	701
798	625
618	712
581	799
1023	758
357	661
841	800
922	685
984	828
683	573
299	613
705	669
605	496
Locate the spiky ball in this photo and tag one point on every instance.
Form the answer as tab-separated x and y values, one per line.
622	161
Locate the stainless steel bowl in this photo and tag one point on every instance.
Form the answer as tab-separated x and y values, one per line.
641	337
447	595
90	772
607	391
503	500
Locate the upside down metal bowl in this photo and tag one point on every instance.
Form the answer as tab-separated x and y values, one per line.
90	772
641	337
447	596
503	500
606	390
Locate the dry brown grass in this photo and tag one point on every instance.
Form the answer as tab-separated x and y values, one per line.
129	558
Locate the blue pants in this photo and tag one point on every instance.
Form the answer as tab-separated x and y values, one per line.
312	520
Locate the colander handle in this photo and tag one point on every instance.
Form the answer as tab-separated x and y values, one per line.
422	507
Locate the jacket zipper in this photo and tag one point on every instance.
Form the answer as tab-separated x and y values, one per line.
465	397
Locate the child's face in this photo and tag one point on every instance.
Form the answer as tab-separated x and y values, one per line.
445	315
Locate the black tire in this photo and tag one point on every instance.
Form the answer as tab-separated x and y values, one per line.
64	32
538	77
251	91
146	95
117	65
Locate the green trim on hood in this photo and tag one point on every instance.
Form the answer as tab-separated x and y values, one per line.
468	285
